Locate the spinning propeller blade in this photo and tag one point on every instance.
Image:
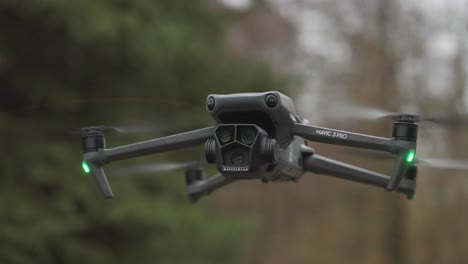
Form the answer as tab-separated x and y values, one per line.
450	120
362	112
442	163
345	111
123	130
157	167
437	163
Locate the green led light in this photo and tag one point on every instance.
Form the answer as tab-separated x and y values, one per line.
410	156
85	167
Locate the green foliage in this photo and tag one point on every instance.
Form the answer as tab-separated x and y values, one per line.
71	63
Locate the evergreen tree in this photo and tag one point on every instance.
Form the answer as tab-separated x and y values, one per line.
71	63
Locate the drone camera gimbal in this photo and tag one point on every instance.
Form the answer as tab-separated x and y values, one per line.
241	151
260	136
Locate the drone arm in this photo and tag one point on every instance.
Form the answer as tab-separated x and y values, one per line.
322	165
163	144
101	180
343	138
399	170
200	188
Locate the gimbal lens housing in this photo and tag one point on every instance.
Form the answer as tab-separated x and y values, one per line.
237	157
225	135
241	151
247	135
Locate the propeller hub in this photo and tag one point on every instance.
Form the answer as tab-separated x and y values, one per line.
405	130
408	118
402	117
92	138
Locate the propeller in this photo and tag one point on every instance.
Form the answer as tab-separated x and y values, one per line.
451	120
59	131
157	167
442	163
438	163
35	118
345	111
122	130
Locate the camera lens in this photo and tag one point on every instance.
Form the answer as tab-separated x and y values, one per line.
225	136
248	136
237	158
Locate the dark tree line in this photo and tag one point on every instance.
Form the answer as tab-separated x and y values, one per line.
64	64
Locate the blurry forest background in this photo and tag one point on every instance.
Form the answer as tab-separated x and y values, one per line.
65	64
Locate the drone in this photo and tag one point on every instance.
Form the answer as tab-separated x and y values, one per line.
259	136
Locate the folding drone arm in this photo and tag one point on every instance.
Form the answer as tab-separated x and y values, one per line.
200	188
343	138
403	148
96	154
322	165
158	145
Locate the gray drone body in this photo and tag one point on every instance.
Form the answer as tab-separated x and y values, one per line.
272	111
269	116
260	136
